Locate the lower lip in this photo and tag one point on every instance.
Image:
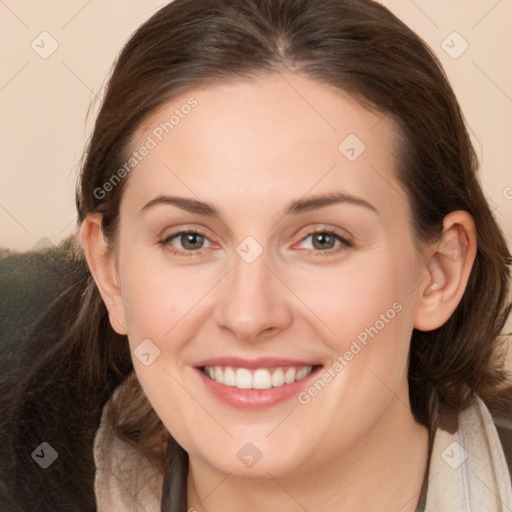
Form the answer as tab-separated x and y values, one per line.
255	398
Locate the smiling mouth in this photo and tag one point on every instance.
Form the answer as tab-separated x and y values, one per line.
256	378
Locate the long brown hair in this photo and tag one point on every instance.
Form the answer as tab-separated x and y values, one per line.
357	46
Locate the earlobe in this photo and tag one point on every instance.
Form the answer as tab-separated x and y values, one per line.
448	265
101	261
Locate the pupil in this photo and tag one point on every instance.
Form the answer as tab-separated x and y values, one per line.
190	240
323	238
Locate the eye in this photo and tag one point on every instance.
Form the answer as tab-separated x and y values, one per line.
324	241
190	241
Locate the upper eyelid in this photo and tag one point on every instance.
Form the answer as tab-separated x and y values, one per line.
181	232
335	231
302	235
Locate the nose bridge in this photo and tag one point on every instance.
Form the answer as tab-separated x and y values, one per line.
250	278
253	301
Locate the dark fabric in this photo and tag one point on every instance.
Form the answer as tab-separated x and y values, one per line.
37	290
29	283
174	495
505	435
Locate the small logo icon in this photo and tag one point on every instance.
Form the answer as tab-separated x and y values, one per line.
44	455
249	455
451	249
146	352
44	243
351	147
44	45
249	249
454	455
454	45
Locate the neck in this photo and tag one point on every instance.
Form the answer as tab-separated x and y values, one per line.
383	470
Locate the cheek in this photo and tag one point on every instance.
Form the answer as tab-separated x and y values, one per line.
360	300
157	298
160	305
366	318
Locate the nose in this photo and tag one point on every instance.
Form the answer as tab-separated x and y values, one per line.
254	303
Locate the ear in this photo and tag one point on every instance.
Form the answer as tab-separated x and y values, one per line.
449	263
101	261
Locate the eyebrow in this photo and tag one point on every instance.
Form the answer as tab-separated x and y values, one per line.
294	207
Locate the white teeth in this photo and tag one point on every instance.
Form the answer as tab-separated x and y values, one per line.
243	378
260	378
289	376
278	378
219	376
229	377
301	373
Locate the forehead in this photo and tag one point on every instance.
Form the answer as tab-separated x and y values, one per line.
265	137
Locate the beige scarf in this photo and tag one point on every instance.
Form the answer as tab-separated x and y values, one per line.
468	471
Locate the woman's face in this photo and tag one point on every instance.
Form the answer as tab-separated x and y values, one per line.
301	281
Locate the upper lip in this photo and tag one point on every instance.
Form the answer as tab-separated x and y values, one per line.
262	362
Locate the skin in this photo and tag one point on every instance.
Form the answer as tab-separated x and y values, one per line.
248	149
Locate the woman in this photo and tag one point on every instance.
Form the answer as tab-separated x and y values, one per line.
294	290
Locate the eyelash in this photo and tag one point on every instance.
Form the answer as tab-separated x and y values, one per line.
345	243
